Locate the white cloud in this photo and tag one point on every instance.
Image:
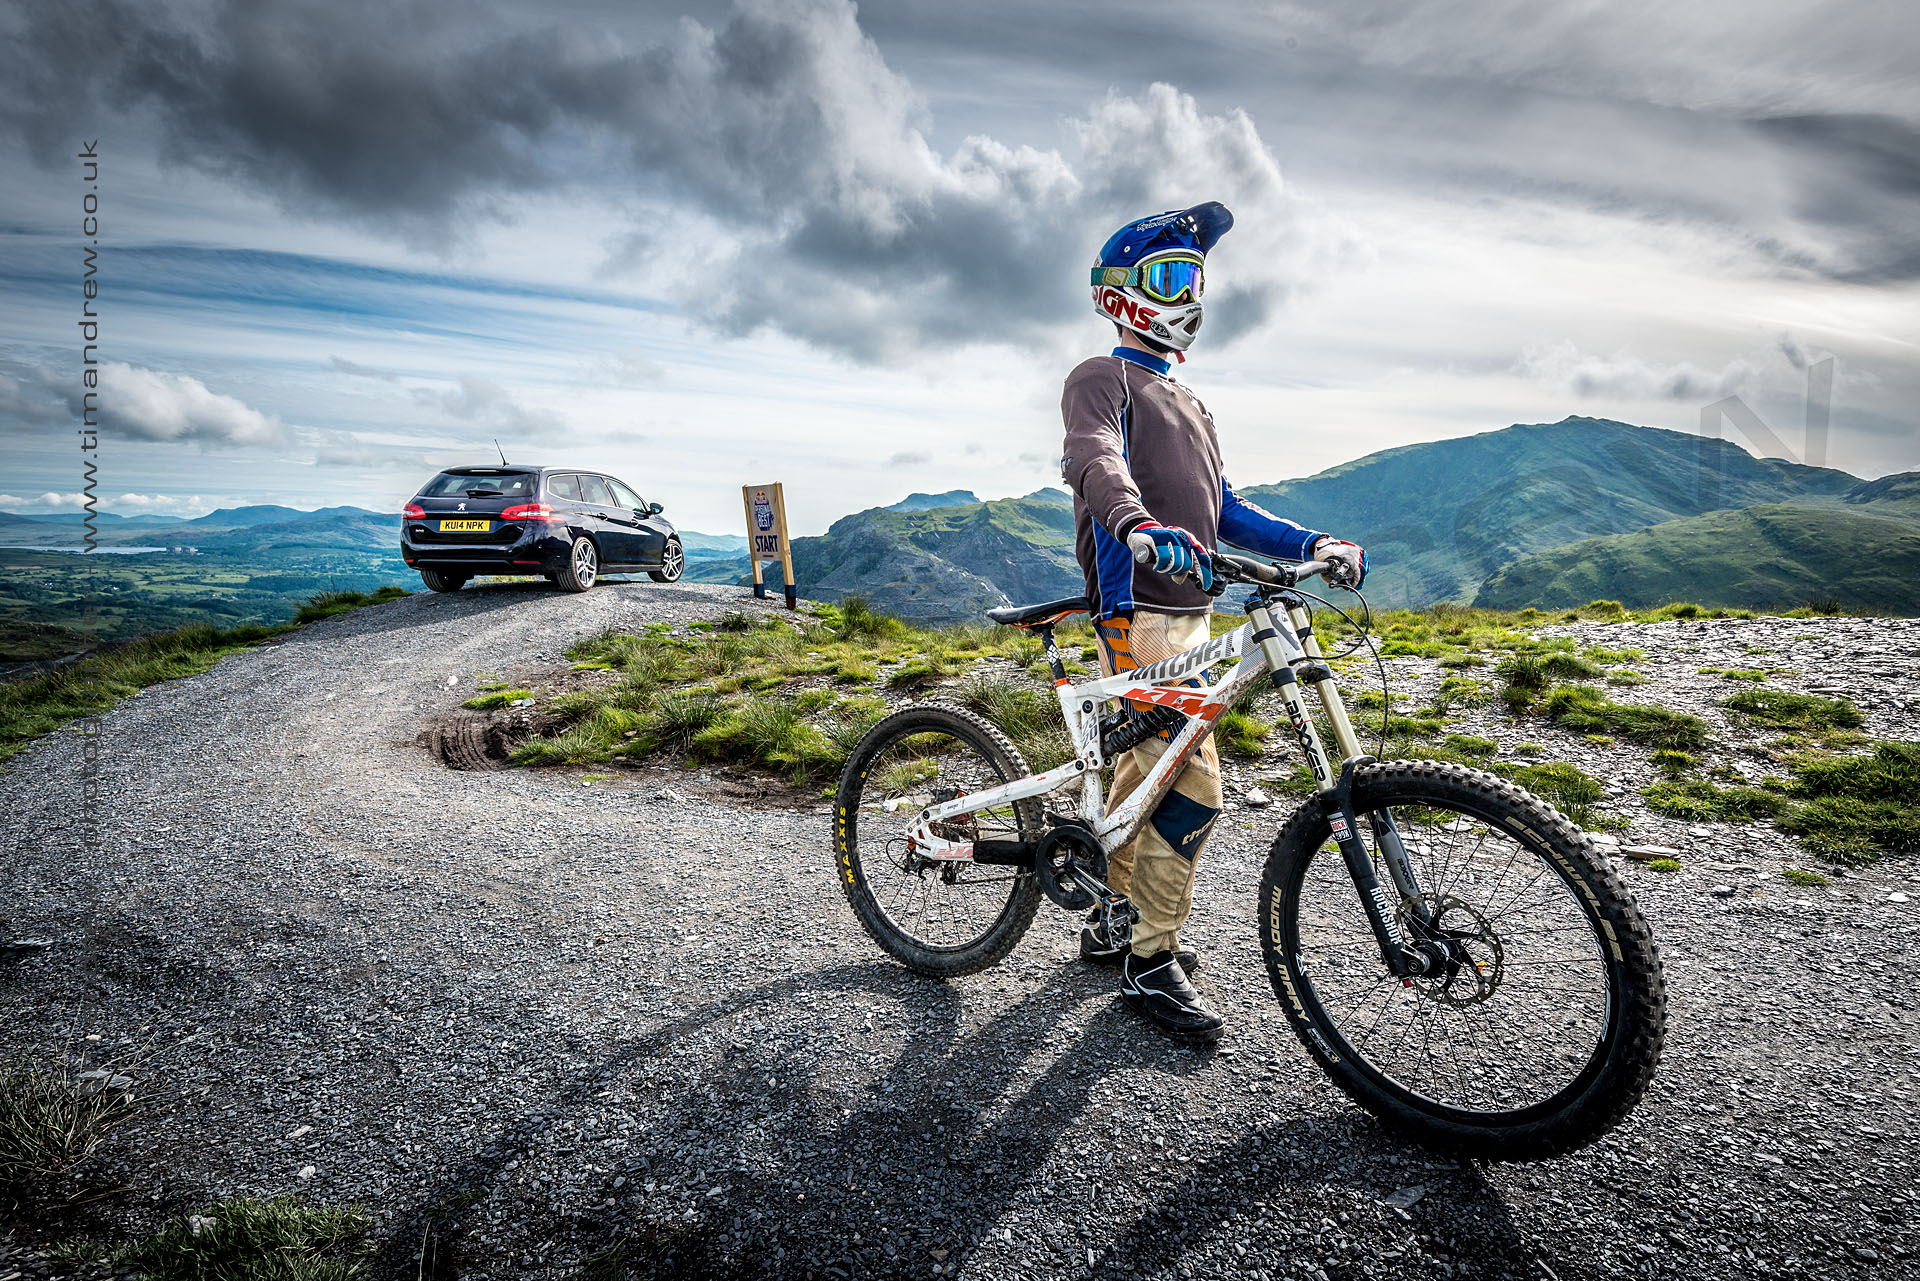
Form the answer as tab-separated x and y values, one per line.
160	504
151	404
1625	376
487	404
48	501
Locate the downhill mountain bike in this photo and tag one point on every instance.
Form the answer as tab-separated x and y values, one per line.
1449	948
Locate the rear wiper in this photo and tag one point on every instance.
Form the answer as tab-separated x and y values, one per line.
483	493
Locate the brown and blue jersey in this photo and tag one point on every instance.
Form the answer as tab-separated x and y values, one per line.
1140	448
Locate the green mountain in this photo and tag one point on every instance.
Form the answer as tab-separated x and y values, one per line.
928	502
1861	550
944	564
1438	518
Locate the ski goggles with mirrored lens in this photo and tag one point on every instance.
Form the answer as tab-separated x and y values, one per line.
1167	280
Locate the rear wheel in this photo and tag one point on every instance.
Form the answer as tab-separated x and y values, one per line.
441	581
583	567
1542	1028
939	918
673	562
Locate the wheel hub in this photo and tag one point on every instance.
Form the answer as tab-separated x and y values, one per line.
1464	955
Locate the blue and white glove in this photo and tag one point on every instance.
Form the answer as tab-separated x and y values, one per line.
1349	560
1171	550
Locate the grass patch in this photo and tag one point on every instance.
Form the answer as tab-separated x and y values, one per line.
1458	691
1585	710
1697	801
918	673
1852	809
1672	762
1666	865
496	699
1804	879
1471	746
1607	656
1024	714
328	604
1627	676
50	1122
1523	679
1562	784
1242	735
772	732
245	1239
1781	709
1751	675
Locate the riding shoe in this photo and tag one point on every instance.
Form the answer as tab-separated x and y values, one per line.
1104	947
1157	986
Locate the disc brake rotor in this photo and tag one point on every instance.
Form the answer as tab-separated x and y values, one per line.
1475	961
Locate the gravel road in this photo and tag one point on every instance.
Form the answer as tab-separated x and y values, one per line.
524	1018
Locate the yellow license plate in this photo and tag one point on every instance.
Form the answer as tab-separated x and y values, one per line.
463	526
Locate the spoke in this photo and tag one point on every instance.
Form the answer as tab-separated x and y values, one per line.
1505	1049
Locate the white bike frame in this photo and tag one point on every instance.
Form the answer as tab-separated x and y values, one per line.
1290	650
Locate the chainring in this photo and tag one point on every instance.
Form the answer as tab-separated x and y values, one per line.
1065	849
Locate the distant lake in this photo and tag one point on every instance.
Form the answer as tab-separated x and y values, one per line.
116	551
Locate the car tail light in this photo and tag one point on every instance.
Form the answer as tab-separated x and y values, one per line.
414	511
529	511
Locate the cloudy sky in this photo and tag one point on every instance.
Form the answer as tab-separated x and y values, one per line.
343	244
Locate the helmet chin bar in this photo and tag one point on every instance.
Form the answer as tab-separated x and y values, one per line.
1153	344
1168	329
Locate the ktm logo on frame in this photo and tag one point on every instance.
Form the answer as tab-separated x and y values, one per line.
1180	700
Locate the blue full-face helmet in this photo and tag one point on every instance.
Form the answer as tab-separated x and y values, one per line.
1150	274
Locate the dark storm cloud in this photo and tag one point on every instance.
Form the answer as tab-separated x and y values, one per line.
774	159
1782	127
1859	177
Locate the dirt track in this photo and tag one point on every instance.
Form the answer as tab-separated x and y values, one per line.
526	1019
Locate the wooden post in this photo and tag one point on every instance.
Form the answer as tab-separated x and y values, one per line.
753	541
766	508
786	544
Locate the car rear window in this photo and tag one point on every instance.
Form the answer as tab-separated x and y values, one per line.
567	487
594	490
468	481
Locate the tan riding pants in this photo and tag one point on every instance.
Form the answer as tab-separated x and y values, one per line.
1156	870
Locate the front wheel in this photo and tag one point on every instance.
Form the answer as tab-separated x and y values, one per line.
938	918
1542	1028
673	562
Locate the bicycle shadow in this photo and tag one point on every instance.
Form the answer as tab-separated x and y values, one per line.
918	1172
937	1112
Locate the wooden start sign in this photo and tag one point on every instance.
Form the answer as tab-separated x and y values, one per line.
767	536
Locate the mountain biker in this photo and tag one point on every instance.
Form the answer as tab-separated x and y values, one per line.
1143	462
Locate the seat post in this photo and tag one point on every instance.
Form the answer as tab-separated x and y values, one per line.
1045	632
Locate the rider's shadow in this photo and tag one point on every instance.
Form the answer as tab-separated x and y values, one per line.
920	1169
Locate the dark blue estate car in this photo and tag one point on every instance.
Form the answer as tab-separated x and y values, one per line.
565	524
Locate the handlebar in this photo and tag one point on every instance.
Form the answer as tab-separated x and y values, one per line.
1228	568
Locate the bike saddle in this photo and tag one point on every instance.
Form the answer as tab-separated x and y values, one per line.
1036	615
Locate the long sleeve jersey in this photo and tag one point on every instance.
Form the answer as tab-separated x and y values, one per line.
1141	448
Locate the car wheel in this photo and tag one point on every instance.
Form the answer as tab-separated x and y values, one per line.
583	566
673	561
443	582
